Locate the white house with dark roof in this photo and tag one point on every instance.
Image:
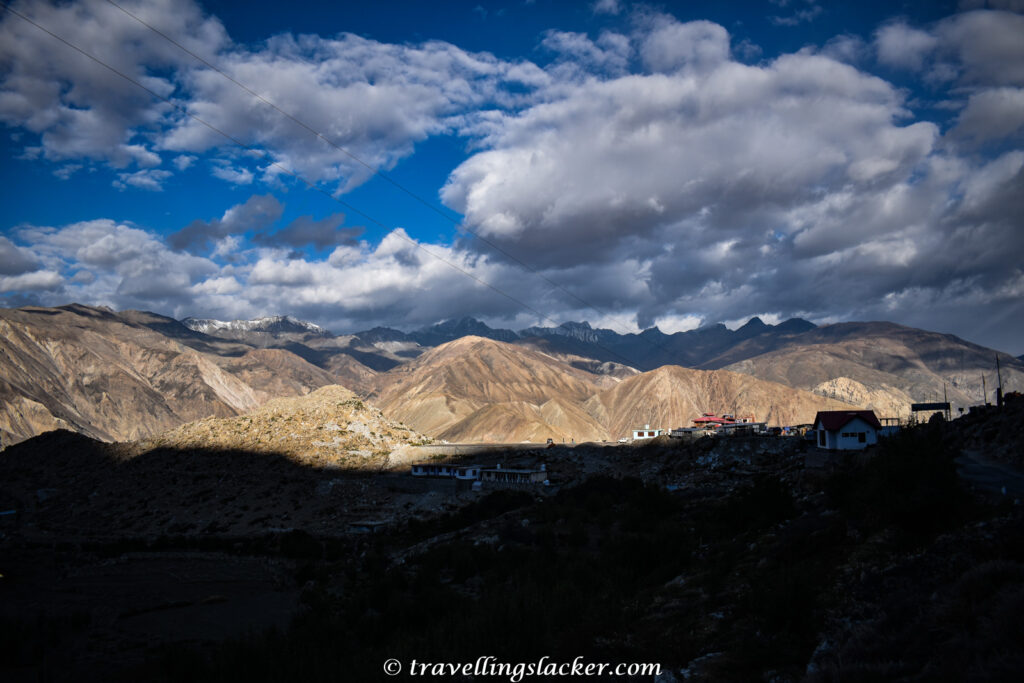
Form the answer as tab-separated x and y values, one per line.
846	430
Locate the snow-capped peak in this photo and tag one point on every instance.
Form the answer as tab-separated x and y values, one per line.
272	324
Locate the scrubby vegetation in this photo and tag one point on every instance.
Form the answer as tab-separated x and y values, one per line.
911	486
734	587
889	568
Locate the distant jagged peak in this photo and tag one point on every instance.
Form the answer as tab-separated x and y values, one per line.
795	325
572	329
381	334
453	328
271	324
464	323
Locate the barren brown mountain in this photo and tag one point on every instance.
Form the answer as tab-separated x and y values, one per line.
884	365
476	389
484	390
672	396
556	419
112	376
350	373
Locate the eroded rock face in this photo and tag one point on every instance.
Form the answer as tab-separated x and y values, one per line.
124	376
894	365
886	401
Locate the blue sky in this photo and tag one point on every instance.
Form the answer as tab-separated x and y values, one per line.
629	164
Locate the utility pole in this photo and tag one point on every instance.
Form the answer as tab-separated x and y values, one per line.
984	391
999	391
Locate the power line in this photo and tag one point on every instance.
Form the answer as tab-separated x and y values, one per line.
377	172
293	174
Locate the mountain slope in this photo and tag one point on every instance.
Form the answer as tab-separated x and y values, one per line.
353	358
898	365
518	421
476	389
442	391
329	426
672	396
113	377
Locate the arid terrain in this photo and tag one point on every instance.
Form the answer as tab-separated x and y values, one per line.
721	559
131	375
124	376
233	501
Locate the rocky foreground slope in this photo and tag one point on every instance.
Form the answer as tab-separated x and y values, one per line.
328	427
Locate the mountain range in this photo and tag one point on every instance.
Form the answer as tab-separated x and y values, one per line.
130	375
646	350
880	365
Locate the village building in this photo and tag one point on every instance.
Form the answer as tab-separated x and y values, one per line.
446	471
690	432
646	433
508	475
742	428
479	473
846	429
712	421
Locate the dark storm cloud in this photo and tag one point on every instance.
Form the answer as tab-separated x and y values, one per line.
305	231
14	260
258	213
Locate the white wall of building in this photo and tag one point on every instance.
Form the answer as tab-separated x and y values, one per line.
849	437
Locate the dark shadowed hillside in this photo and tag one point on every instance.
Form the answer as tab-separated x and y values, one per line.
721	559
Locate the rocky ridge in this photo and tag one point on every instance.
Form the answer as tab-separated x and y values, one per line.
330	427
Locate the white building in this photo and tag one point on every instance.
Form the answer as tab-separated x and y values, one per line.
646	433
846	429
446	471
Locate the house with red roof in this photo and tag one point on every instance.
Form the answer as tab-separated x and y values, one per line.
846	429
